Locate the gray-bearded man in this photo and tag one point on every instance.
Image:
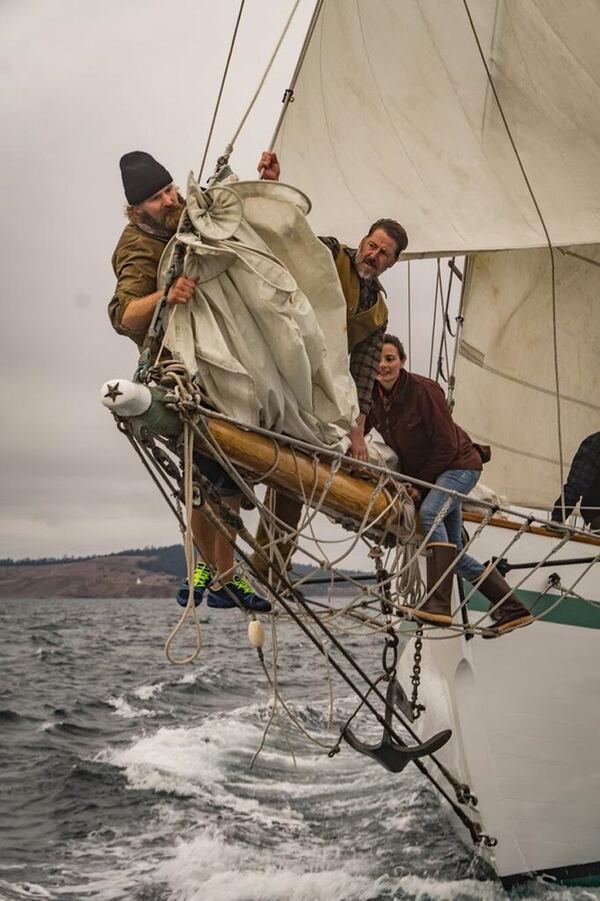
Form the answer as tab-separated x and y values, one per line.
367	316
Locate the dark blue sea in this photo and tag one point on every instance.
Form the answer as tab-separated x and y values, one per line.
125	777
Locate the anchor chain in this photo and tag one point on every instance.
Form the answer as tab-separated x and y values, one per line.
390	647
391	639
417	708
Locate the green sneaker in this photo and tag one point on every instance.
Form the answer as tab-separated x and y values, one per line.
240	589
203	576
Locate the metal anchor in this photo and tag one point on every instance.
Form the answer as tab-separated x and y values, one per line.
391	754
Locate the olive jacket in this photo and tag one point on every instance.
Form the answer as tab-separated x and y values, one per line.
135	264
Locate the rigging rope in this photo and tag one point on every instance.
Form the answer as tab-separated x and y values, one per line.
190	609
184	397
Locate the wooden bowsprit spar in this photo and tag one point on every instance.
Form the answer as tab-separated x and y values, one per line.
381	507
373	502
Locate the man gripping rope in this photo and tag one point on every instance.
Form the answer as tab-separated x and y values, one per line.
154	209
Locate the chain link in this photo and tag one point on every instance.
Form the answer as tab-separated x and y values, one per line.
416	676
390	647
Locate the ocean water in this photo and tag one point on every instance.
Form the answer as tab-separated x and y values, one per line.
125	777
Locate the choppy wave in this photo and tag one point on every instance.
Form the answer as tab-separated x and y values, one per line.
131	779
145	692
8	717
123	708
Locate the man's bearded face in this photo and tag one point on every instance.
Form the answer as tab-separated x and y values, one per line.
163	209
375	254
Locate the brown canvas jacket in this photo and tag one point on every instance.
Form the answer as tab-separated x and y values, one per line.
414	420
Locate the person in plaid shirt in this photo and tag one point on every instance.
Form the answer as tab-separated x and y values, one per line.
583	482
359	270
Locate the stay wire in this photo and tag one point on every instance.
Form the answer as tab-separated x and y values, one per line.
458	338
433	327
448	294
153	476
288	96
444	323
220	94
409	305
229	149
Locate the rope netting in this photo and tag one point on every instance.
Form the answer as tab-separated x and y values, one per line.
357	609
352	604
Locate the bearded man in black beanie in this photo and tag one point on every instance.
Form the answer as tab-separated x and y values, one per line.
154	209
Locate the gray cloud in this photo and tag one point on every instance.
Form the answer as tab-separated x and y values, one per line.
83	83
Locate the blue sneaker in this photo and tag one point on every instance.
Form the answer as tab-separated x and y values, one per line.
241	589
203	576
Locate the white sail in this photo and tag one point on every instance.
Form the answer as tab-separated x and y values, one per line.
255	328
505	373
393	116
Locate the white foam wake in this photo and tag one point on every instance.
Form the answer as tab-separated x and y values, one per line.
210	867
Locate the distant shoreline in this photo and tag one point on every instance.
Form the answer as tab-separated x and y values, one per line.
151	572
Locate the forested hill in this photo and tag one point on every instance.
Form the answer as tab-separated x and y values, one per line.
142	573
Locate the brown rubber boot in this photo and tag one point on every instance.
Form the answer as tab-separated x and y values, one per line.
287	509
512	613
437	609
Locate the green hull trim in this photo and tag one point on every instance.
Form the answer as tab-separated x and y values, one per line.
587	874
571	611
588	881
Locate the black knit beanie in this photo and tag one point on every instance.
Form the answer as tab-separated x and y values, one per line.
142	176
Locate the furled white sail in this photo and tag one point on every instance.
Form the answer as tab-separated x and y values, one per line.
393	116
505	374
267	295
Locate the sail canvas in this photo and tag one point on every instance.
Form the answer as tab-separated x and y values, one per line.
393	116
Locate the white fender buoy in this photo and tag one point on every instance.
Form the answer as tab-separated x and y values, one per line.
256	633
125	397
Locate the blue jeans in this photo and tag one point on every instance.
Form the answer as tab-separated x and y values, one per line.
450	527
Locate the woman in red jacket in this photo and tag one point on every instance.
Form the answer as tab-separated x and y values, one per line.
411	414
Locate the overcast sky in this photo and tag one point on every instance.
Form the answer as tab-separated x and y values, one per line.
83	83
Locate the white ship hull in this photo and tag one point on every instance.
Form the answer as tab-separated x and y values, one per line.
524	712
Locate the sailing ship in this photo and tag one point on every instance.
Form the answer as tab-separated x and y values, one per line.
475	123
